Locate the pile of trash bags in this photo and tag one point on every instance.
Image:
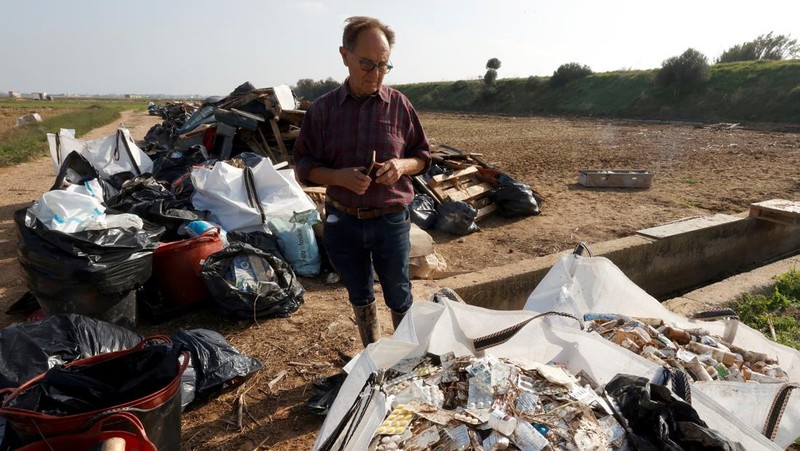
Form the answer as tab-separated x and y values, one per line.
164	224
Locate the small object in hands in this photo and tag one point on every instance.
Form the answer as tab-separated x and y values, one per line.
369	170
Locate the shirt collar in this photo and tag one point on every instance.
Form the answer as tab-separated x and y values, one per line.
344	91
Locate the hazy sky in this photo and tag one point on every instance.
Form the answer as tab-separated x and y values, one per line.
210	47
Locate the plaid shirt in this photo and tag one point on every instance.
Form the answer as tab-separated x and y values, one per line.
339	131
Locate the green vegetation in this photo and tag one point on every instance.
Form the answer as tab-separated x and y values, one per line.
687	71
569	72
744	91
21	144
764	47
781	309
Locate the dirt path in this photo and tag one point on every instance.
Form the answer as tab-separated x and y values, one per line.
23	183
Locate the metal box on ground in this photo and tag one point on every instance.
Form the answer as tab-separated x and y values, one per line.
615	178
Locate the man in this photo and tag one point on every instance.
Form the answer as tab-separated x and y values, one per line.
343	133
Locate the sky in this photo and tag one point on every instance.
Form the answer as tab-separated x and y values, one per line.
209	47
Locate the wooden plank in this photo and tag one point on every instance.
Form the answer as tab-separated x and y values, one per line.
470	192
419	182
459	185
438	180
277	133
485	211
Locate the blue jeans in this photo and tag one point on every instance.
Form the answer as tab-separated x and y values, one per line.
353	244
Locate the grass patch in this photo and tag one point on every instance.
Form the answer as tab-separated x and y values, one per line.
18	145
781	308
689	181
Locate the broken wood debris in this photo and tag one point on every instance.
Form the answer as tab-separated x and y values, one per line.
471	180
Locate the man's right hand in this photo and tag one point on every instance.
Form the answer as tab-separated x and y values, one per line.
353	179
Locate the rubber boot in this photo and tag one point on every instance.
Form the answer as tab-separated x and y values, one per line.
396	318
367	320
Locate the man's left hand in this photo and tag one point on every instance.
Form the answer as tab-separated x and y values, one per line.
390	171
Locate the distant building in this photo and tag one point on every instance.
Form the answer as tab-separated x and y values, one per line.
133	96
14	94
45	96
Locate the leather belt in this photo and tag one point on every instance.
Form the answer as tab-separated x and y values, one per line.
364	213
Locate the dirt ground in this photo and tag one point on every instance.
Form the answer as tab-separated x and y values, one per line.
697	171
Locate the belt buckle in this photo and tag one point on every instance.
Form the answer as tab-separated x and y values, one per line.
365	211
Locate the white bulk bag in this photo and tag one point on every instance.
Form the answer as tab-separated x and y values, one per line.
110	155
223	190
71	212
579	285
449	326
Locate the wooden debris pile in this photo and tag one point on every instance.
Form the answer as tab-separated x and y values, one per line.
470	181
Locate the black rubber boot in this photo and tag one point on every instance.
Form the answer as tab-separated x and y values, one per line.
396	318
367	320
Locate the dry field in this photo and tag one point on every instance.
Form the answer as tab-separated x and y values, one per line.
697	171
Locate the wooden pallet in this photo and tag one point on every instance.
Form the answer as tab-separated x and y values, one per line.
464	185
777	210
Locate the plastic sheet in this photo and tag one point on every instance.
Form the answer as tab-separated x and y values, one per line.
28	349
277	296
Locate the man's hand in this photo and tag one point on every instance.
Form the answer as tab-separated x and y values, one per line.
353	179
390	171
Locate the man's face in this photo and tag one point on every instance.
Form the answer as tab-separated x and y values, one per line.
371	47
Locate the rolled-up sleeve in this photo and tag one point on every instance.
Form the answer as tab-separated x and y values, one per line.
416	142
307	152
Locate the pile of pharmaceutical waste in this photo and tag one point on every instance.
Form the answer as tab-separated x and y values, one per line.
695	351
489	403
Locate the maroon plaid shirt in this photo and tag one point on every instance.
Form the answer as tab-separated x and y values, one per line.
339	131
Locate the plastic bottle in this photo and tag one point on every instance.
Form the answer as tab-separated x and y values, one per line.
502	422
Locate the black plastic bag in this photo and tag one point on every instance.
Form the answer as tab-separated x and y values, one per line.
270	290
112	260
324	392
174	165
266	242
217	364
514	199
149	199
659	420
78	389
29	349
457	218
77	170
423	211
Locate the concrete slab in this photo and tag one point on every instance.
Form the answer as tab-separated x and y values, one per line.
686	225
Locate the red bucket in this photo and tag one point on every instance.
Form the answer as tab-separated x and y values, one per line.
159	411
105	429
176	267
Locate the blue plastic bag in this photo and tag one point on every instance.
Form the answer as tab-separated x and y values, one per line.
297	242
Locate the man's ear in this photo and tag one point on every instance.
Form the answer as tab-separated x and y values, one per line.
343	52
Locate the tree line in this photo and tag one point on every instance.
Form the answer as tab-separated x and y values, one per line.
681	72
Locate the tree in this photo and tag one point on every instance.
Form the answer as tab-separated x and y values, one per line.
490	78
493	63
687	70
764	47
569	72
309	89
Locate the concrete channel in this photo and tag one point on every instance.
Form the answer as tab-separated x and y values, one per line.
675	260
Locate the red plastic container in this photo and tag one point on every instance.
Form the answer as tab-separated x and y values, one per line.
104	429
176	267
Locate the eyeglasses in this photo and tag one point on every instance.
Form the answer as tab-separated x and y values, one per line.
368	66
